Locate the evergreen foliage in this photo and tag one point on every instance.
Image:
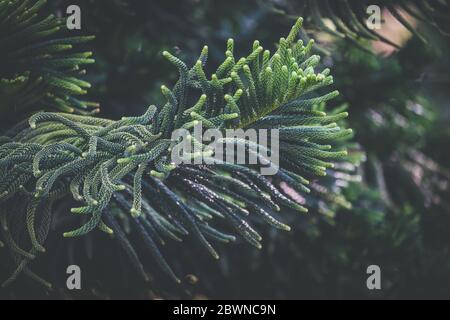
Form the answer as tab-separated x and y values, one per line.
349	17
125	165
40	65
392	211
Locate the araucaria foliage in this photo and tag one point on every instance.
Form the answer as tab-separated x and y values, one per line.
39	64
124	168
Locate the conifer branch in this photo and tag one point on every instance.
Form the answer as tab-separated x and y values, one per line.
109	166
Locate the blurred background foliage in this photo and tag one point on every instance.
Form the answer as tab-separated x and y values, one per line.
398	101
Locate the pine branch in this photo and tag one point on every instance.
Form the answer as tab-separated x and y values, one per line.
125	166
